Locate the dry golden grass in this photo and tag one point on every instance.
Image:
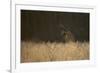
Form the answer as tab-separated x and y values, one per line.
42	52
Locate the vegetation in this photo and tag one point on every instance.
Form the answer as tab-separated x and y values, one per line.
47	51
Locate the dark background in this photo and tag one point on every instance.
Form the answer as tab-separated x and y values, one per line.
44	25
